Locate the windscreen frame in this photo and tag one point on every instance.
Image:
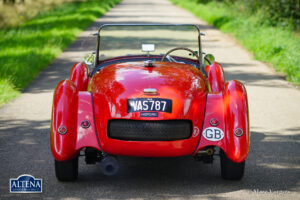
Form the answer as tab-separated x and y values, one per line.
200	54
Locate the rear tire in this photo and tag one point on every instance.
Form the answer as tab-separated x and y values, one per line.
67	170
231	170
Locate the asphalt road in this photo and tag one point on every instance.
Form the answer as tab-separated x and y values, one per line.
272	168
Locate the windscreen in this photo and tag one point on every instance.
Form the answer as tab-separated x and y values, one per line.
122	40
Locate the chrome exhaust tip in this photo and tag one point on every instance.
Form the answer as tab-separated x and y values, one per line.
109	165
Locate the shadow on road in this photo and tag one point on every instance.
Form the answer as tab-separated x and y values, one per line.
251	77
270	166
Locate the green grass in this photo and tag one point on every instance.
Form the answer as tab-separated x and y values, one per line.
275	45
29	48
12	15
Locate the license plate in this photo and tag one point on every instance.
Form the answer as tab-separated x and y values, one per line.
149	104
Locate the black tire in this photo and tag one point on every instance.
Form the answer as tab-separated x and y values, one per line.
231	170
66	170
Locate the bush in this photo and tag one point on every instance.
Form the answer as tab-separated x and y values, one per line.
276	45
15	13
284	13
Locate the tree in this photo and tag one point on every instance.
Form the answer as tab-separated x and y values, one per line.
12	1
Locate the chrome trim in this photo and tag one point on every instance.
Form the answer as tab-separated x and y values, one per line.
150	91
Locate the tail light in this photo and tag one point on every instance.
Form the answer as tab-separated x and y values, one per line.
85	124
238	132
214	122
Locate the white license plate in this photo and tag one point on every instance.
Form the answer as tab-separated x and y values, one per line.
149	104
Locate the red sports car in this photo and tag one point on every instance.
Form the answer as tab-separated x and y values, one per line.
147	91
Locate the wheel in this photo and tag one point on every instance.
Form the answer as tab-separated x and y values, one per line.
67	170
231	170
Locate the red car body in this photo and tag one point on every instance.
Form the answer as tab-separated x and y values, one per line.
85	105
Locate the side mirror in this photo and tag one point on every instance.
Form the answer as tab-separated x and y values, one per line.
209	59
89	59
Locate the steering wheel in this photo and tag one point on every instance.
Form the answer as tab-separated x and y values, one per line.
179	48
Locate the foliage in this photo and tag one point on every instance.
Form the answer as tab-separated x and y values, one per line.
29	48
273	44
15	13
284	13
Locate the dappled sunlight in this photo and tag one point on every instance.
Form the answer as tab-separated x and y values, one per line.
27	127
27	141
279	166
283	138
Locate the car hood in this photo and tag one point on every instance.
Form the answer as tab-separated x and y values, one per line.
114	84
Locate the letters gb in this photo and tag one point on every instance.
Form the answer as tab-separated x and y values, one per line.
213	134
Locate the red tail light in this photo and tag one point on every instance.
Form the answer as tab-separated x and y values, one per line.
85	124
62	130
238	132
214	122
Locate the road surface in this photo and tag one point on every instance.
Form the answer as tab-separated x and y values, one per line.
272	168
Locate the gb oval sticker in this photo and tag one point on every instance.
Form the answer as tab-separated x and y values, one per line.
213	134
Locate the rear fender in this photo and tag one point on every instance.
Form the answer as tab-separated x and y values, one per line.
70	109
86	136
64	115
214	110
237	117
230	108
216	77
79	76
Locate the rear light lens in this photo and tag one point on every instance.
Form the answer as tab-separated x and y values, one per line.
214	122
62	130
85	124
238	132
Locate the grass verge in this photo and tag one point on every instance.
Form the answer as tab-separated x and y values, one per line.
14	14
275	45
30	47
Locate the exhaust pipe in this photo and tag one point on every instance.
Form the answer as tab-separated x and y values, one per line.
205	155
109	165
208	152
